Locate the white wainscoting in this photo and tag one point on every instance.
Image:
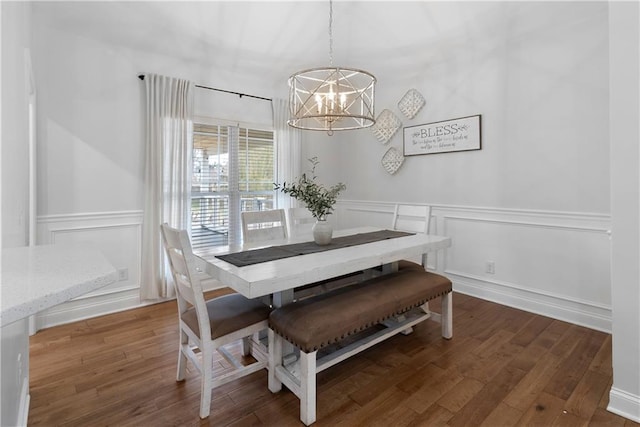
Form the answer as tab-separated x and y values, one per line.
553	263
118	236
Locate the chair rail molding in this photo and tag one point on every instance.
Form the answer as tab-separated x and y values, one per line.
553	263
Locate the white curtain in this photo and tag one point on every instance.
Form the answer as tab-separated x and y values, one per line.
168	151
287	140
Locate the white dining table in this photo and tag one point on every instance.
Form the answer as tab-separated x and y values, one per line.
280	277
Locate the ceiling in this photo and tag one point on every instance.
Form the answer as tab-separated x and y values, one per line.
276	39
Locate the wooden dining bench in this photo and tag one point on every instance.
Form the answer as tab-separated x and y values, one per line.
397	300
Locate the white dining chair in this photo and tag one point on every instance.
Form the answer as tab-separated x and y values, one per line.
207	326
259	226
300	221
414	219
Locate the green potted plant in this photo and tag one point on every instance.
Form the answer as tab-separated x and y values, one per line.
319	200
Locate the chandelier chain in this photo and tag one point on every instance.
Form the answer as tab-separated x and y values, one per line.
331	32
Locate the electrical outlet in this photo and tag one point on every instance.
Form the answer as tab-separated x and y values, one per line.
123	274
490	267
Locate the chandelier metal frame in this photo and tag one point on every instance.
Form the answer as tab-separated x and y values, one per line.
332	98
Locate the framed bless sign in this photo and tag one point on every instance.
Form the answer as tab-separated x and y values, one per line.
461	134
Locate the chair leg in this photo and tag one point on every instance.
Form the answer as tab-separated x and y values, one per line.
275	360
182	359
205	381
447	315
308	387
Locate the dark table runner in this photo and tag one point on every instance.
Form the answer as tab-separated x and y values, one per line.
255	256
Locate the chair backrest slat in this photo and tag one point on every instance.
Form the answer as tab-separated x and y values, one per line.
258	226
412	218
185	276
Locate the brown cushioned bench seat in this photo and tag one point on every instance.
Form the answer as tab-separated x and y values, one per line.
316	322
319	321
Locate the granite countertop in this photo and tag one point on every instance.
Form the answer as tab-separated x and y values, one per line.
35	278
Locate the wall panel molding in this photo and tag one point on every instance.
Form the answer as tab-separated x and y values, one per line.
552	263
88	216
570	227
603	220
118	235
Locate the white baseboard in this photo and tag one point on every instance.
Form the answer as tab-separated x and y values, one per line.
624	404
85	308
581	313
100	305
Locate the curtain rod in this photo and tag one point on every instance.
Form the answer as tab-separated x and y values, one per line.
141	77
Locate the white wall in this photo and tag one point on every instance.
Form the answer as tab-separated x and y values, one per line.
14	342
540	82
624	398
90	118
90	165
557	171
16	43
535	199
90	148
541	85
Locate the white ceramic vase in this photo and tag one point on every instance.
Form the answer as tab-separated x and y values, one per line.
322	232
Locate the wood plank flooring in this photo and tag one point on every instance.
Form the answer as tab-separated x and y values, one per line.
503	367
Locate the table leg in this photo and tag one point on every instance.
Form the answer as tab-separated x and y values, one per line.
392	267
289	353
282	298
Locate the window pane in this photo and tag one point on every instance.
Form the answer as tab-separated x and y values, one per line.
209	221
257	171
210	159
211	172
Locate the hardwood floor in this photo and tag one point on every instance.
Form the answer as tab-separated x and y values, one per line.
503	367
